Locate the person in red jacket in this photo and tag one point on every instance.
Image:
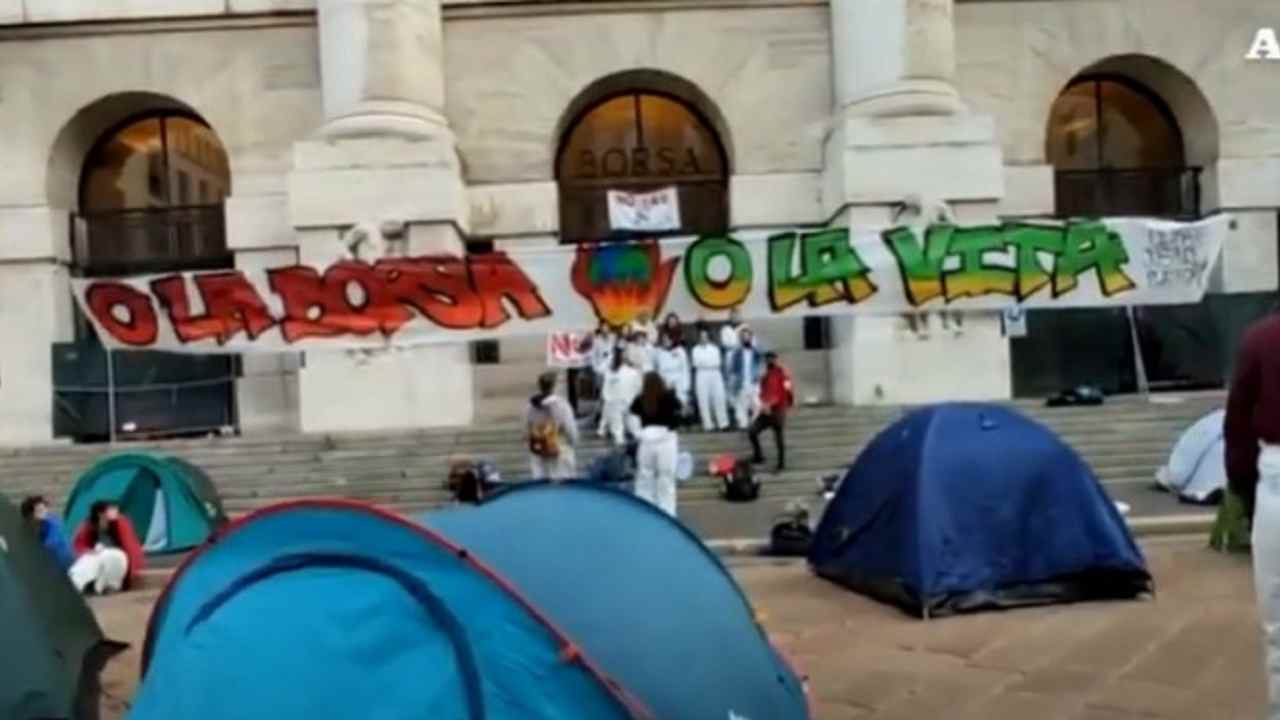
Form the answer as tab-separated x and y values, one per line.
108	554
776	397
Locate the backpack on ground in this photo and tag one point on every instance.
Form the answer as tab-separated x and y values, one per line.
544	438
740	485
470	481
792	533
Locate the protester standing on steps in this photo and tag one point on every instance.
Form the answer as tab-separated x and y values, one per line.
672	363
731	331
745	369
552	433
621	385
1252	435
640	352
776	398
656	415
708	384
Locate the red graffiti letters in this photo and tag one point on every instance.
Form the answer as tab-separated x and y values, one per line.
124	312
497	279
349	298
438	287
231	306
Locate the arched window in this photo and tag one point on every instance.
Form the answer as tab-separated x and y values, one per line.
151	196
640	141
1118	150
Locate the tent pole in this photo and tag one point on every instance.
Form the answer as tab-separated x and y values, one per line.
111	398
1140	367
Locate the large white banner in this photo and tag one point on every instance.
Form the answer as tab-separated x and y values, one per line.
449	298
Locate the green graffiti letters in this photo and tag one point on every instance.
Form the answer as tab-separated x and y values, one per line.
1075	249
724	293
830	270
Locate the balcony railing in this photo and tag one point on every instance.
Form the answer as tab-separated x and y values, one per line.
127	242
1156	192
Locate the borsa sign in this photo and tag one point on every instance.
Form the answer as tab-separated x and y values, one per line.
451	298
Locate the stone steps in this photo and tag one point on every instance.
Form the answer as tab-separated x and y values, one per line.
1124	441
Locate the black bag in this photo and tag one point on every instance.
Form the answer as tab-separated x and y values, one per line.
471	481
1081	396
741	485
790	538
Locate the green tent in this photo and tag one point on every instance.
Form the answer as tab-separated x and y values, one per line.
54	650
171	503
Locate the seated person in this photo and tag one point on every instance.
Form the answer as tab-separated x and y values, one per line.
108	555
48	527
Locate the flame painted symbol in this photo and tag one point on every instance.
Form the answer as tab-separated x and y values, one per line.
624	280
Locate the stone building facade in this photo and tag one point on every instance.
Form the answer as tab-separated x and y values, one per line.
265	129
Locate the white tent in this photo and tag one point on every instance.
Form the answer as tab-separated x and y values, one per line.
1196	470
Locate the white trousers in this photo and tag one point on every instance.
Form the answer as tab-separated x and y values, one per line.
679	384
564	467
656	468
1266	568
102	570
613	418
744	405
712	405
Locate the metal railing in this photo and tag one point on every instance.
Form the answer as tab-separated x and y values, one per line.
1155	192
151	240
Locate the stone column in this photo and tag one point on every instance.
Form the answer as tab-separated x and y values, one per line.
902	134
895	57
382	64
384	157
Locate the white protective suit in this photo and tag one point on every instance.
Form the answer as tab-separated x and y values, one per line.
102	570
673	365
640	356
620	389
708	383
1266	567
656	467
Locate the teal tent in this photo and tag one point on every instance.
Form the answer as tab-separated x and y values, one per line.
53	646
171	503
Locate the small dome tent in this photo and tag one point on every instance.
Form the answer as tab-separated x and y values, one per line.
1197	467
638	592
338	610
963	507
171	503
53	645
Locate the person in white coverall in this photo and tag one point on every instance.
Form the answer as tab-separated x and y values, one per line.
672	363
640	352
708	384
744	368
621	385
655	415
731	332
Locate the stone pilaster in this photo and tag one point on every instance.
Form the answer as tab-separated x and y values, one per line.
385	157
902	132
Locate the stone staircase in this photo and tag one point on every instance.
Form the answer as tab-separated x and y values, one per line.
1125	441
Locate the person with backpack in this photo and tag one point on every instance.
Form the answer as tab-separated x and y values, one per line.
776	397
552	433
656	413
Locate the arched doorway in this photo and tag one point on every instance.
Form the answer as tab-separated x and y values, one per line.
150	200
1117	150
640	139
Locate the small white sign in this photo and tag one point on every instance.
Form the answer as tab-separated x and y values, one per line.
568	350
1265	46
655	211
1015	322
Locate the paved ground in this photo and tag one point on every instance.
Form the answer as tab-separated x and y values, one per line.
1192	653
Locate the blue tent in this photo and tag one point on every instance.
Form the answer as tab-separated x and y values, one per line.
328	609
964	507
639	593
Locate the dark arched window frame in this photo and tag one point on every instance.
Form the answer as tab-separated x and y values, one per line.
1171	191
164	237
713	220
